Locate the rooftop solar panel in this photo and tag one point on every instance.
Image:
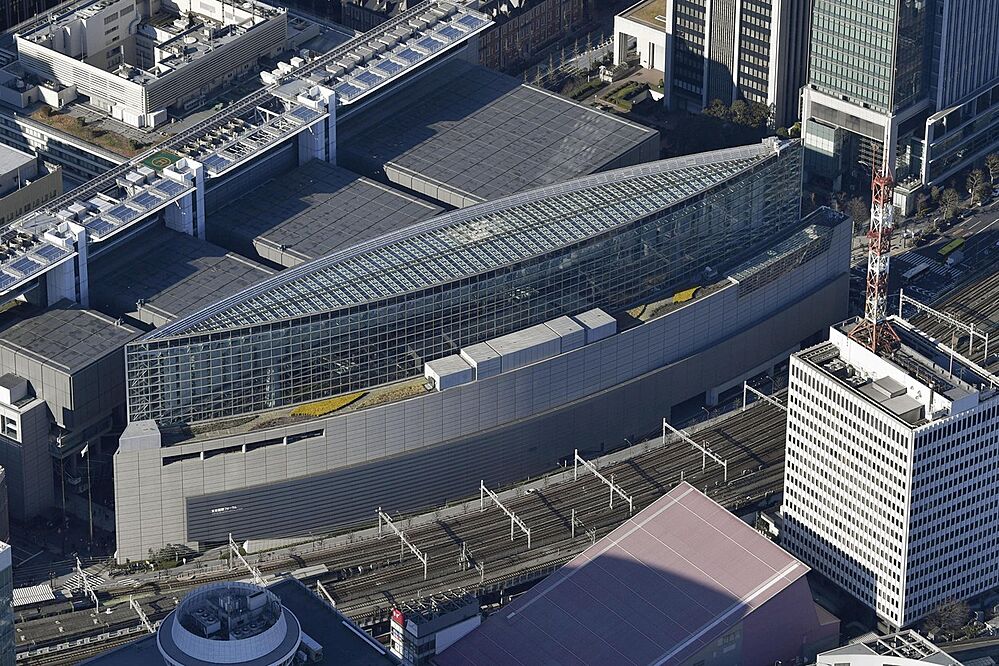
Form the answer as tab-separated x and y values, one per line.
171	188
216	163
304	114
147	199
451	32
369	78
99	226
470	21
25	266
6	280
50	252
347	91
410	56
390	67
430	44
123	213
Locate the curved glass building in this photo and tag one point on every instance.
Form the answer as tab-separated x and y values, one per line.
376	312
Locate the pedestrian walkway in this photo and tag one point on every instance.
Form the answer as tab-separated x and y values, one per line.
907	260
74	582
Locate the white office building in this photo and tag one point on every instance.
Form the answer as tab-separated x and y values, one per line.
893	471
136	60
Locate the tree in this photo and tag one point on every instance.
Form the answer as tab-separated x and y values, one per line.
795	130
935	195
948	617
922	204
858	210
740	113
759	114
950	203
977	186
992	164
717	109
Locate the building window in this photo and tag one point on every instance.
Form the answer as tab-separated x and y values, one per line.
8	427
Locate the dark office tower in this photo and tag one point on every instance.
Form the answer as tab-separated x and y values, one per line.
724	50
915	79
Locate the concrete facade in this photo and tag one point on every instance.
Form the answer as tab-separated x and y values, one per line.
890	473
62	385
334	471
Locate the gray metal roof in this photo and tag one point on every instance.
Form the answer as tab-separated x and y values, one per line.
485	135
66	336
474	240
172	274
314	210
656	590
11	159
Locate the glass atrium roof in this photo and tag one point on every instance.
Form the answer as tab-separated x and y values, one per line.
472	240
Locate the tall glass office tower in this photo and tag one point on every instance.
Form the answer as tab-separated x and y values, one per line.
910	78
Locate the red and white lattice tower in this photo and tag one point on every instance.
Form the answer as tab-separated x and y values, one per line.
874	332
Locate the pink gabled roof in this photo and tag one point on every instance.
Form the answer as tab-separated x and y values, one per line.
654	591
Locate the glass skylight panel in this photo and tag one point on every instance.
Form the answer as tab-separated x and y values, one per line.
468	243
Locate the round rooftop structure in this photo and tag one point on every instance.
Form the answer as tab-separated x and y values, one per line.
229	623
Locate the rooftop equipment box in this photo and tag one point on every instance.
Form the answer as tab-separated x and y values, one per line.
483	359
527	346
448	372
572	335
598	324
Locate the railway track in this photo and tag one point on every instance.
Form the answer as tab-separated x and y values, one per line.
974	303
748	441
366	578
69	657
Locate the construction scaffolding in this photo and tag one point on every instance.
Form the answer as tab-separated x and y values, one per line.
614	488
514	520
420	555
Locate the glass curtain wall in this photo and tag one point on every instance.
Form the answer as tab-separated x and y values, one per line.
199	376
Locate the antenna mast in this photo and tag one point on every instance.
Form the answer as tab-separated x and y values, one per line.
874	332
